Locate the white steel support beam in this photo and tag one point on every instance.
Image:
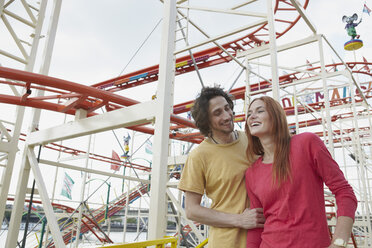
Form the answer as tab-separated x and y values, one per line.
12	149
13	146
16	58
28	10
213	39
29	23
263	50
273	51
364	194
243	4
176	160
158	201
25	168
1	7
82	194
133	115
206	35
14	36
247	93
326	97
4	132
51	36
183	214
35	42
92	171
224	11
48	209
303	14
19	200
4	147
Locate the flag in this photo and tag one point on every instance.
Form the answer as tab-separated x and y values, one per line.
114	165
67	186
148	147
309	65
33	207
366	9
366	65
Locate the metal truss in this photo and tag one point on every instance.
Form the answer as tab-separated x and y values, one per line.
342	120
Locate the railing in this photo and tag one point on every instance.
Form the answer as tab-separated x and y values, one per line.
202	244
160	243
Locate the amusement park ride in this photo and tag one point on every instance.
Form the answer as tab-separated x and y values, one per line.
330	99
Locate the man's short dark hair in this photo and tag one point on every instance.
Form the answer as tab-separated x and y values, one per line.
201	106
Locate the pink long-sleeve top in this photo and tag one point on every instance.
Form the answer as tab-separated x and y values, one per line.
295	211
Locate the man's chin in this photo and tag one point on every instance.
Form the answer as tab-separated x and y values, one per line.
228	131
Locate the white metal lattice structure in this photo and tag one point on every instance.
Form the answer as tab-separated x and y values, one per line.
34	20
344	124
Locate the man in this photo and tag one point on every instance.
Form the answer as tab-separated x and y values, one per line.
216	167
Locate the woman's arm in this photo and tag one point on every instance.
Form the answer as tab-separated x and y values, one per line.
343	229
334	178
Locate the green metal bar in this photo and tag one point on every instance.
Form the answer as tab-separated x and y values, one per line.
42	234
108	198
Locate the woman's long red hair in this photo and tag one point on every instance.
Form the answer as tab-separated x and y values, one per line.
281	139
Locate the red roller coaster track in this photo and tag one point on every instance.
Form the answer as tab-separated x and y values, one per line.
103	94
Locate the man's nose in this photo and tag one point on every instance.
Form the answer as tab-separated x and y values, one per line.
227	114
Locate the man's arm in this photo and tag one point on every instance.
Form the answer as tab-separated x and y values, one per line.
249	219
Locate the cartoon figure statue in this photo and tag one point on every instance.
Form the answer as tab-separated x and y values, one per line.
350	25
126	146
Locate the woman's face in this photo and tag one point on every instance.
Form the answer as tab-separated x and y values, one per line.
259	121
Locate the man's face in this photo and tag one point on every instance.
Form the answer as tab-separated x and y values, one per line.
221	116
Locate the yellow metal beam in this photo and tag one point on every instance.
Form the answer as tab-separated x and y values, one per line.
160	243
202	244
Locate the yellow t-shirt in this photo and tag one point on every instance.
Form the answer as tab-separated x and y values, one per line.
218	171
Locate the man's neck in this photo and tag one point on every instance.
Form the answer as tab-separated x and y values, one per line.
224	138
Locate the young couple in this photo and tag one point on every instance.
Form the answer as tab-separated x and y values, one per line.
266	187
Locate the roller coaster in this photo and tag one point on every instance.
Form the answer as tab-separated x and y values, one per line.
310	95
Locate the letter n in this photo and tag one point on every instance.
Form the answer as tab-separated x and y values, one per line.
318	95
284	100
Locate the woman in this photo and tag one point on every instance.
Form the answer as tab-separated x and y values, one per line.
287	182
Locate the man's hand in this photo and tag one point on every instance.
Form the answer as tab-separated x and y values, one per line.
251	218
